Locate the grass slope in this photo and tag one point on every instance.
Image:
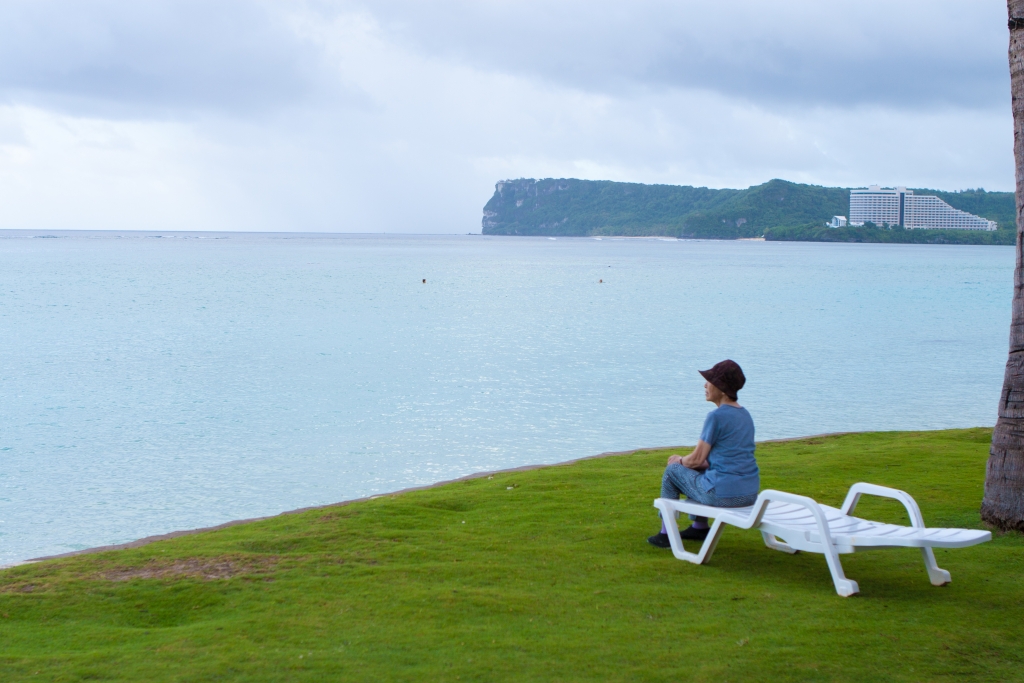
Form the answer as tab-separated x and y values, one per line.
571	207
538	576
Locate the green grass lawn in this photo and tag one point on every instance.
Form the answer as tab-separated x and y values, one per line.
540	575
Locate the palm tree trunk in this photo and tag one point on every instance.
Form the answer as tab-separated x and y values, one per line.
1003	505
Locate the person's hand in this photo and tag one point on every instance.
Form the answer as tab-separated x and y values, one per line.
673	459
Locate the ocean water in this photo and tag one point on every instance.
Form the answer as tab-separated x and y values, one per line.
158	382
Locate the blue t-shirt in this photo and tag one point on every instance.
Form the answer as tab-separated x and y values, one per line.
732	470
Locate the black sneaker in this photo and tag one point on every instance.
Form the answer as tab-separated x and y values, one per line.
659	540
691	534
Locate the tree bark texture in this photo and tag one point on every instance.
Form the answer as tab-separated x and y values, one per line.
1003	505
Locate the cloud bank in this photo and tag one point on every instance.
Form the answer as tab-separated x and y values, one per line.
399	116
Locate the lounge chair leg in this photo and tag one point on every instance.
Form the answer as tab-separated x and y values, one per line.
844	586
938	577
776	544
710	543
706	549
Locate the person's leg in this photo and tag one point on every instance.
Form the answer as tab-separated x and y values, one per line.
681	480
674	481
685	481
673	484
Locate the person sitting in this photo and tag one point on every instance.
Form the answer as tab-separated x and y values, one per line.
721	471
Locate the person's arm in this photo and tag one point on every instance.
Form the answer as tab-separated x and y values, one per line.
697	460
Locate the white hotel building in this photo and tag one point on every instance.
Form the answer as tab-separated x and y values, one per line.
900	206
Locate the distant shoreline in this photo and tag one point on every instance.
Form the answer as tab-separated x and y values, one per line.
831	235
776	210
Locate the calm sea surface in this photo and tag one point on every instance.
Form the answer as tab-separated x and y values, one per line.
150	383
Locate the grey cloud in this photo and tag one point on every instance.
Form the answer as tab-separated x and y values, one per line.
909	54
644	91
243	56
152	55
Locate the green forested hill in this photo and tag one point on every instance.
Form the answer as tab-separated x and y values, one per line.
568	206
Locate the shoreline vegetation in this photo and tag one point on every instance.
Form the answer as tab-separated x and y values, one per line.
538	574
895	235
777	210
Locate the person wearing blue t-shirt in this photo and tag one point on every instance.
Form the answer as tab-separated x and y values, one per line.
721	471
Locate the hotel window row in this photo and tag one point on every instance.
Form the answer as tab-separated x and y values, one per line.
902	207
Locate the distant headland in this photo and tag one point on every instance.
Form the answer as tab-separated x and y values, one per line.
776	210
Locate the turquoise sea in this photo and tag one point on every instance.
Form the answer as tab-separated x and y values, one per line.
153	382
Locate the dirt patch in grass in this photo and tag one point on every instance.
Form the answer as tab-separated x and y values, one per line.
205	568
24	587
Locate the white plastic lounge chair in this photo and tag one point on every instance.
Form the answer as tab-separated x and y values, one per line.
791	523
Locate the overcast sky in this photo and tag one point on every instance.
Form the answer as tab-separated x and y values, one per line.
400	115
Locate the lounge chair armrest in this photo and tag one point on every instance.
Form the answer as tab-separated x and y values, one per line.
857	490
